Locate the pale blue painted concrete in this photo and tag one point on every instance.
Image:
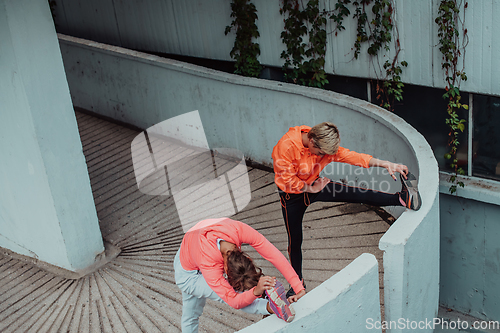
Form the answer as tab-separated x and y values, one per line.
477	189
237	112
470	234
411	264
454	321
470	247
251	115
346	302
46	206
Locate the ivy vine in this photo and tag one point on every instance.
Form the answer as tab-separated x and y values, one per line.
341	11
361	19
451	46
304	62
305	35
376	29
245	51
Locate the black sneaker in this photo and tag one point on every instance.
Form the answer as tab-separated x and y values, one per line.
291	292
409	192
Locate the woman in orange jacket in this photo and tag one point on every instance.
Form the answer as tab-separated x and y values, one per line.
299	157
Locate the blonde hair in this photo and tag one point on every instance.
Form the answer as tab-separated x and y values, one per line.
326	137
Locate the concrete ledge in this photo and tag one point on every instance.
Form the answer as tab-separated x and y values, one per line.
479	189
347	302
110	252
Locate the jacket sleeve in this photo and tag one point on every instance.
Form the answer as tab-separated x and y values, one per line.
285	172
269	252
344	155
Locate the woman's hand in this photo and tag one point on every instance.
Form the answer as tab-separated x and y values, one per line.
391	167
394	167
317	186
295	298
265	283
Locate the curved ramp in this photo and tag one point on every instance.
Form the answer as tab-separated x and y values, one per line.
136	292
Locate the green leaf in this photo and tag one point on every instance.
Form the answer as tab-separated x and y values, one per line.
453	189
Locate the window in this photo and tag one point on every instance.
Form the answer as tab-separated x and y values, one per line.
425	109
486	137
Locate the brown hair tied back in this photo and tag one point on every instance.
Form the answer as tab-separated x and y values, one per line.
241	272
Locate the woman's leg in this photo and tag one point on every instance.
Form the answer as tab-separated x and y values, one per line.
293	208
195	291
192	308
259	306
338	192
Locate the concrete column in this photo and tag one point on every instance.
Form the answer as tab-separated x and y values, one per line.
47	210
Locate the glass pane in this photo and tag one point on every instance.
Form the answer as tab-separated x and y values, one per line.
425	109
486	139
348	86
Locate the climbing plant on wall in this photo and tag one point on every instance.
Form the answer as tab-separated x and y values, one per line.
305	36
305	39
452	46
375	26
245	51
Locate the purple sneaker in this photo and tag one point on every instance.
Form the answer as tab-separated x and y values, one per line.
279	304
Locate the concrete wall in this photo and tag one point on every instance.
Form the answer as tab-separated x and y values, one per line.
470	248
251	115
411	264
196	28
46	206
346	302
247	114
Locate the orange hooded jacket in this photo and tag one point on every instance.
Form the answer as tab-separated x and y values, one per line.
294	165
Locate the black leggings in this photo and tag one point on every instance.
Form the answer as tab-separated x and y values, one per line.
294	206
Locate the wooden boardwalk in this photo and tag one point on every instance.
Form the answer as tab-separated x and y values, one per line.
136	291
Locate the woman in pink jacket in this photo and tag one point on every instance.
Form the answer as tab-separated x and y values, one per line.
212	249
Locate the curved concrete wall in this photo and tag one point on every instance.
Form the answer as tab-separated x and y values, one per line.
251	115
348	301
237	112
411	263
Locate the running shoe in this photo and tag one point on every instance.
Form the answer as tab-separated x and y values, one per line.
279	304
409	192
